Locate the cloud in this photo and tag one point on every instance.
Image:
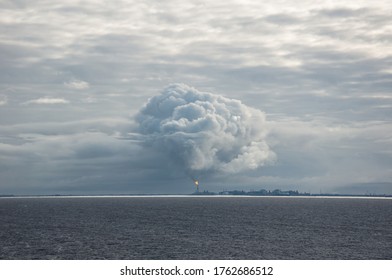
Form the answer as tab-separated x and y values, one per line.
323	153
205	132
343	12
47	100
310	67
76	84
3	100
65	161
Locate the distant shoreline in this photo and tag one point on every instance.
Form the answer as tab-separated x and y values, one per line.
198	196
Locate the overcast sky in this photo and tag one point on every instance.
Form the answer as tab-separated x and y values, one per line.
74	75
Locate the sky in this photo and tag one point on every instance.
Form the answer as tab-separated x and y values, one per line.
309	83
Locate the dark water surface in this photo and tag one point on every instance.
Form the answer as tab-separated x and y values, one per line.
195	228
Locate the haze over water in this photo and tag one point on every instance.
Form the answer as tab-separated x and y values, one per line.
195	228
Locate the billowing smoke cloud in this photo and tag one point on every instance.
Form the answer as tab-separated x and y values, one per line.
205	132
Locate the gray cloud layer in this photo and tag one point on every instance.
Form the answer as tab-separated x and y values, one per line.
74	75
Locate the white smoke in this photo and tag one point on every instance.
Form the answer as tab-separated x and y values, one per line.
203	131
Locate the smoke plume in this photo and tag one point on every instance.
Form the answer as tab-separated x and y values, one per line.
204	132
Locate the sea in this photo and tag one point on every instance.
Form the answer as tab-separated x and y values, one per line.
195	227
